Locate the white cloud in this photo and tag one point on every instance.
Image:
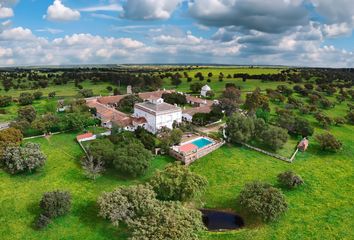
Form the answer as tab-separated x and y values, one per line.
299	46
149	9
337	29
58	12
6	12
50	30
5	52
111	7
16	34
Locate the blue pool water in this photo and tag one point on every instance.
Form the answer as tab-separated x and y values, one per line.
202	142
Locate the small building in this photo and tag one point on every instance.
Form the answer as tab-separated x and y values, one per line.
157	114
85	137
303	145
205	90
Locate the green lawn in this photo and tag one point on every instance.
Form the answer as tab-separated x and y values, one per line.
321	209
20	195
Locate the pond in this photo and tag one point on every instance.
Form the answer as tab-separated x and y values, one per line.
216	220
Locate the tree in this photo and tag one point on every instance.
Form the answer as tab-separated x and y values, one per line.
256	100
196	87
284	90
200	119
302	127
350	117
132	159
9	137
174	98
146	138
37	95
230	100
93	167
323	120
102	149
290	180
239	128
125	204
169	137
169	220
274	137
263	200
328	142
27	113
144	215
23	159
5	101
128	102
55	204
175	80
45	123
178	183
25	98
85	93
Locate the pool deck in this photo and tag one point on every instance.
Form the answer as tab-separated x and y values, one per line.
188	154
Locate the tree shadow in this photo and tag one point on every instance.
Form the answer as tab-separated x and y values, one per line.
88	215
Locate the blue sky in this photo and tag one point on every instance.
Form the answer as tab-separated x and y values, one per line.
287	32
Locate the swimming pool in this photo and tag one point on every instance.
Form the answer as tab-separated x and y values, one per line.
202	142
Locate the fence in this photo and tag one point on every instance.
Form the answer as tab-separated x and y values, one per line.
272	154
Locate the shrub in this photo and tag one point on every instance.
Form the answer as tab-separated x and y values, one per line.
263	200
289	179
23	159
328	142
42	221
178	183
55	204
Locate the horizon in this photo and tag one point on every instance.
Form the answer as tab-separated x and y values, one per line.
297	33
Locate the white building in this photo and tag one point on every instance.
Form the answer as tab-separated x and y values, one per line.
158	114
205	90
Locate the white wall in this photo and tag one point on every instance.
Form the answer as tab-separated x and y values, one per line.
154	123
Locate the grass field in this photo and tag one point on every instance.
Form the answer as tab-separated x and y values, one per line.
218	86
20	195
320	209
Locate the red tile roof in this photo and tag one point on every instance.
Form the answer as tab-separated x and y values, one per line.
111	99
199	100
188	147
84	136
192	111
